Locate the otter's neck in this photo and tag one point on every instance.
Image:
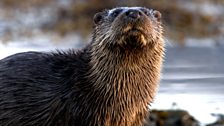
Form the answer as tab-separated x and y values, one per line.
129	76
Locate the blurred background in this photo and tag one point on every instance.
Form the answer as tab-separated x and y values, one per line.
192	86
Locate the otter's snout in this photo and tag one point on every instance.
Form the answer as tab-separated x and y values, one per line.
131	26
133	14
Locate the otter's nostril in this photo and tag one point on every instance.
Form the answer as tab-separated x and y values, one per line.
133	14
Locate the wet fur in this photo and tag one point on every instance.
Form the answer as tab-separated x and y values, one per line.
105	84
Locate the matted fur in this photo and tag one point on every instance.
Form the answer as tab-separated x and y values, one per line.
110	82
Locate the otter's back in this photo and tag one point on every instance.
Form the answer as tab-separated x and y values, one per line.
32	88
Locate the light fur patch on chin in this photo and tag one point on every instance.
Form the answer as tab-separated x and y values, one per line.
122	41
128	28
143	40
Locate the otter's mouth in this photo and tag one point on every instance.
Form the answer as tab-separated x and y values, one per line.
135	32
136	29
134	37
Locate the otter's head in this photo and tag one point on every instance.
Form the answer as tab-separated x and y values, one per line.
128	27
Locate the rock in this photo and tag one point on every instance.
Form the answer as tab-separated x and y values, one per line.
219	122
171	118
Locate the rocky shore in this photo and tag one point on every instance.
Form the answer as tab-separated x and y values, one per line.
178	118
171	118
219	122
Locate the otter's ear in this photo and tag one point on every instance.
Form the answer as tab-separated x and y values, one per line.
98	17
157	15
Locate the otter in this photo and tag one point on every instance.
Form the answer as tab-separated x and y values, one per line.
109	82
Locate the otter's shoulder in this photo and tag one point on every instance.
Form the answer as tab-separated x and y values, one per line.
22	58
33	57
39	61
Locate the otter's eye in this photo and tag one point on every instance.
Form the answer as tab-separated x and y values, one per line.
145	11
116	12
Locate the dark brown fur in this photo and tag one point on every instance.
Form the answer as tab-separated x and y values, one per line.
110	82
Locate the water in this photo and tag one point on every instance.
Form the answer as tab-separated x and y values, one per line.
193	77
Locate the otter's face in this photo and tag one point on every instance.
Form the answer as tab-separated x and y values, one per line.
131	27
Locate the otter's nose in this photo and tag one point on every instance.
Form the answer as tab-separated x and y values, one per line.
134	14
